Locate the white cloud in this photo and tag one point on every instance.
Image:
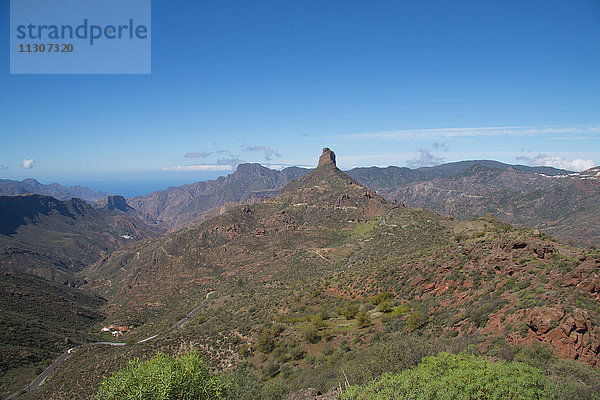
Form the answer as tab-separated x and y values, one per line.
544	160
408	134
439	146
425	159
279	167
267	150
206	167
234	160
203	154
28	163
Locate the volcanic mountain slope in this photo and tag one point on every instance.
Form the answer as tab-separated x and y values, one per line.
180	205
56	239
307	281
565	206
308	215
389	178
31	186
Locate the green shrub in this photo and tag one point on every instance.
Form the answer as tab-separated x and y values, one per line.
385	306
417	319
449	376
163	377
350	311
318	321
311	334
381	297
266	341
401	309
363	319
274	390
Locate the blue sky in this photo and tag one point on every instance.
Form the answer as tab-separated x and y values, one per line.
381	83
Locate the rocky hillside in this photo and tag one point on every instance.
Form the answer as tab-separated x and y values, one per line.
323	276
31	186
394	177
56	239
45	245
564	206
307	215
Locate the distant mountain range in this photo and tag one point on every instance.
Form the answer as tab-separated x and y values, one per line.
180	205
543	197
380	178
558	202
565	206
31	186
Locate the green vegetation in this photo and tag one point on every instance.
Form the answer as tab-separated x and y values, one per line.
350	311
266	341
362	319
449	376
417	319
164	377
381	297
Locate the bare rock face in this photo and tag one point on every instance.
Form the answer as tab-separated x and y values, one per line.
542	319
572	335
114	203
585	278
327	158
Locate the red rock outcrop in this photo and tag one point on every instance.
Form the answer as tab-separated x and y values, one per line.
572	335
585	278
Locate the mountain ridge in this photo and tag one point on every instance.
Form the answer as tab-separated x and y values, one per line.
31	186
180	205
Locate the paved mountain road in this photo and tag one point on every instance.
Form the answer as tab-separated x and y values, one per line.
42	377
351	260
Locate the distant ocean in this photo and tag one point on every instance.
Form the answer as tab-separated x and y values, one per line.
131	186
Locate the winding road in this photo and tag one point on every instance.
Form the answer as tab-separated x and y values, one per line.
383	221
351	260
42	377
